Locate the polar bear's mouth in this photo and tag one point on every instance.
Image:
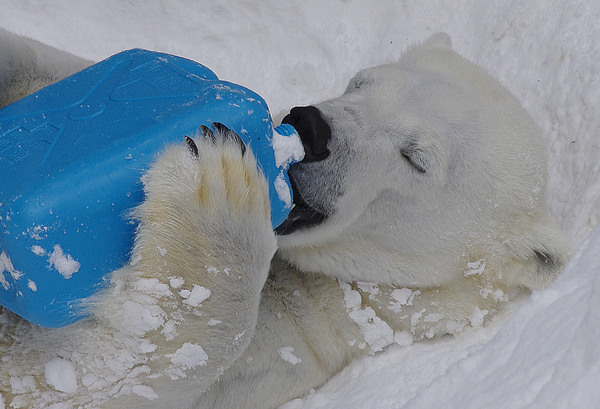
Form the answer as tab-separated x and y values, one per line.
301	216
315	133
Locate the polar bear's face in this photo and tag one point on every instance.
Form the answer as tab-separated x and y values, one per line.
419	168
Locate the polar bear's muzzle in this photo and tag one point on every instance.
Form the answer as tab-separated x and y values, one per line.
314	133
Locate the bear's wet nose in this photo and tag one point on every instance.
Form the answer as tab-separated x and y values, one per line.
314	131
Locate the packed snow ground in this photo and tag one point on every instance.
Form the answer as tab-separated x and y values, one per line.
542	352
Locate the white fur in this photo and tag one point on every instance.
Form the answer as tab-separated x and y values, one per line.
434	192
27	65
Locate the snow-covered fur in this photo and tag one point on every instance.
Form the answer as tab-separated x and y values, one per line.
431	191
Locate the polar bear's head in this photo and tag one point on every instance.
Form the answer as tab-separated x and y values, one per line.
420	169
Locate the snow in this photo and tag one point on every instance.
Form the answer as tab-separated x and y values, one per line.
376	332
403	296
6	265
283	190
176	282
63	263
145	391
60	374
32	285
195	297
540	351
287	354
475	268
189	356
287	149
38	250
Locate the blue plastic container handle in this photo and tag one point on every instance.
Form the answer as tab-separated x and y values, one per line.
71	158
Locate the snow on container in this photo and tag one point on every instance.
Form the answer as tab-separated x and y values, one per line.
71	158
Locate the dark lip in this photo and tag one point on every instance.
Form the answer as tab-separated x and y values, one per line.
301	217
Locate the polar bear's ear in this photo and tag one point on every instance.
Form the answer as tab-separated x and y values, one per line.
438	40
543	254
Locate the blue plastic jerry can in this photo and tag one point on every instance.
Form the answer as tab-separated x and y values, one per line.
71	158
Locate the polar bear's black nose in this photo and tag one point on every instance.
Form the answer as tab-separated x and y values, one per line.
313	130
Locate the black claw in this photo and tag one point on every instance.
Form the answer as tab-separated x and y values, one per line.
208	134
191	146
219	127
229	135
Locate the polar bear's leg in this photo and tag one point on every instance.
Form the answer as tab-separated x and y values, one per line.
429	312
304	335
27	65
202	252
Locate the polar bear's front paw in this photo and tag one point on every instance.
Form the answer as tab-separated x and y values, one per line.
229	179
206	196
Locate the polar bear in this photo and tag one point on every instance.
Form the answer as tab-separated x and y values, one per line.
419	207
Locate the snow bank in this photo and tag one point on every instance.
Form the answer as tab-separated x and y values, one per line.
545	356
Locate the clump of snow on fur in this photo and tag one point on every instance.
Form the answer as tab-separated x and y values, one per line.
196	296
23	384
371	288
176	282
144	391
142	316
402	296
475	268
169	330
496	293
63	263
376	332
477	317
287	354
60	374
152	286
189	356
403	338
